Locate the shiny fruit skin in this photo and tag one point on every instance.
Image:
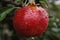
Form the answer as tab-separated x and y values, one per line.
30	22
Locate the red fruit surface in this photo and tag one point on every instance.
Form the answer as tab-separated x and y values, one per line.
30	21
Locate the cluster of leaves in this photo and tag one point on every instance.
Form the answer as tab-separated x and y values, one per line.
7	31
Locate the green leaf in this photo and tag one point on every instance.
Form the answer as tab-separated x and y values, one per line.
19	1
4	9
44	1
50	16
4	14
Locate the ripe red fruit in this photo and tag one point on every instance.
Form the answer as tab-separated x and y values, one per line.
30	21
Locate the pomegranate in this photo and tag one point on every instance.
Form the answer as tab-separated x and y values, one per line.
30	21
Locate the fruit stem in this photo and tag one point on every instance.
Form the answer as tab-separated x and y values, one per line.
30	1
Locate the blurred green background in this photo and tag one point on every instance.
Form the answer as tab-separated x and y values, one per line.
7	9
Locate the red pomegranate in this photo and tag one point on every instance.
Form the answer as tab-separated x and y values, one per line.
30	21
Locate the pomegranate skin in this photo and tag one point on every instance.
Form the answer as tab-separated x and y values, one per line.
30	22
